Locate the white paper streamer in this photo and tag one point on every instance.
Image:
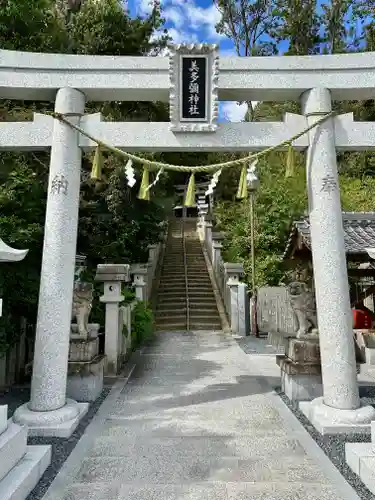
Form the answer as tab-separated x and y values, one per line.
130	173
156	179
251	175
213	183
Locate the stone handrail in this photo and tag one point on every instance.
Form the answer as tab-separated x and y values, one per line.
227	276
144	273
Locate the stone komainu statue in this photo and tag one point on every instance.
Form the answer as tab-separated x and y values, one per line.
82	304
302	300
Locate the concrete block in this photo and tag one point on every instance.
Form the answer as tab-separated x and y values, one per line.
303	351
59	429
366	338
23	478
87	385
367	472
93	329
83	350
113	272
292	368
354	452
328	420
301	387
370	355
12	447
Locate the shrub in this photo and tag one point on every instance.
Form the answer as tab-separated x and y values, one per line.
142	324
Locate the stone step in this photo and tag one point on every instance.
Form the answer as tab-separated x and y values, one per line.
181	310
207	320
189	272
12	447
24	476
194	305
170	313
191	281
181	327
191	275
197	283
181	300
192	293
171	327
199	311
165	285
202	326
204	300
193	290
181	270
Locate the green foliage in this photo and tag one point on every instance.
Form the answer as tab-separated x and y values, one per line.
28	25
114	225
142	324
278	202
293	27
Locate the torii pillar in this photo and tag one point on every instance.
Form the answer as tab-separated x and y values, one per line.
340	409
49	413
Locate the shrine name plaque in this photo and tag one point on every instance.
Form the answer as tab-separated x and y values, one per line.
194	73
194	89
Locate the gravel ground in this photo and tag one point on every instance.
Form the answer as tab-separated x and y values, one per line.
254	345
61	448
334	446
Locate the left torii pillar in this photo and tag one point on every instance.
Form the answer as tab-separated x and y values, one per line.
49	413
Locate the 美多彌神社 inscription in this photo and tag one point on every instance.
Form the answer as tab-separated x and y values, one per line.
194	75
194	88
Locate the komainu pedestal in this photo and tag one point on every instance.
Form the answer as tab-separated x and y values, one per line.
85	369
85	366
301	376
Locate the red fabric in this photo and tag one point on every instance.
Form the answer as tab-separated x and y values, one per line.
362	319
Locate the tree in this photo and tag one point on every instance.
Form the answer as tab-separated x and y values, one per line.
27	25
299	26
251	26
300	30
114	225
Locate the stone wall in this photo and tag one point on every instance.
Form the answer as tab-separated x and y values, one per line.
15	361
274	312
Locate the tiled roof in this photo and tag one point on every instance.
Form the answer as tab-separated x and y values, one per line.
359	232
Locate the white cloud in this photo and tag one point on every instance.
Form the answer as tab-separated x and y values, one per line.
174	16
233	111
187	15
228	53
144	7
179	36
201	18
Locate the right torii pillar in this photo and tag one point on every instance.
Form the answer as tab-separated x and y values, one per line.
340	409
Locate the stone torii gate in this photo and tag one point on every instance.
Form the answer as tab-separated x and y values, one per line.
72	80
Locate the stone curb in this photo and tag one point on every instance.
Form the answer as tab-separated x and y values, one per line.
73	463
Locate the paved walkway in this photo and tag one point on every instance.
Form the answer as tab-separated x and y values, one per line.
198	420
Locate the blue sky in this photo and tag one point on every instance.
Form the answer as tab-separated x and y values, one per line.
193	21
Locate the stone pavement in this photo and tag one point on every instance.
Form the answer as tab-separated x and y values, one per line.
198	420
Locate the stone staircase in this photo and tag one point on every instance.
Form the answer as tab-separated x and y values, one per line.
185	302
